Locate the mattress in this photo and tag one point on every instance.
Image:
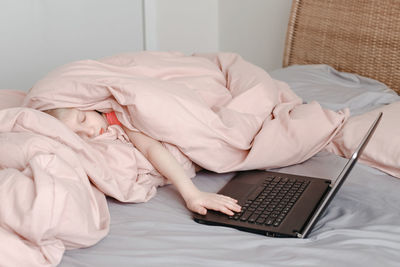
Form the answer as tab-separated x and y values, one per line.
359	228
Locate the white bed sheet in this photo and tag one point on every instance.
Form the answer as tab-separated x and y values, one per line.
359	228
334	89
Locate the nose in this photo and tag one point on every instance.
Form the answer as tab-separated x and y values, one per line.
87	131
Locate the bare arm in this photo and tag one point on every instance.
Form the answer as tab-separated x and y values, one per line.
168	166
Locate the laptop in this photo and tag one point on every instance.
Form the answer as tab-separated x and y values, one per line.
278	204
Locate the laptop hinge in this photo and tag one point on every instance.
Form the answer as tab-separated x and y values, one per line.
299	235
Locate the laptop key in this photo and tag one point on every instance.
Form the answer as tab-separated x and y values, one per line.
276	223
253	218
255	193
277	179
246	216
260	220
269	222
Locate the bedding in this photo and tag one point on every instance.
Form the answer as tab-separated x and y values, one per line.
365	98
47	202
11	98
227	110
225	119
159	88
51	241
334	89
359	228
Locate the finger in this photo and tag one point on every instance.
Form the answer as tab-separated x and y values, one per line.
223	206
224	209
228	198
231	203
236	208
227	211
233	206
201	210
215	204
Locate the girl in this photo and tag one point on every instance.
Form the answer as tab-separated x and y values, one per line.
90	124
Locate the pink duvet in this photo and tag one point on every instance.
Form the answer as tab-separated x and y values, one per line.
221	112
216	111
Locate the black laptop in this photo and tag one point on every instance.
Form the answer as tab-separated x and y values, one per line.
278	204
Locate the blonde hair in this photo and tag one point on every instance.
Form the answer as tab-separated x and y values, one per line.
57	113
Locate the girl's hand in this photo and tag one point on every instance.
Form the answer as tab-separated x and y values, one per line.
201	201
169	167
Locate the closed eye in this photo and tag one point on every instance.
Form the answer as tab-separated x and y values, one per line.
82	117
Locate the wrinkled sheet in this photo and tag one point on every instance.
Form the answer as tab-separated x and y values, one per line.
336	90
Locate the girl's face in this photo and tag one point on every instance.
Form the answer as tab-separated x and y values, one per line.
85	123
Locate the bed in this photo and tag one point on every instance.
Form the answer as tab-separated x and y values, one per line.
360	227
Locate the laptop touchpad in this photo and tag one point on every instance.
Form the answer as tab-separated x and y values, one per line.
235	190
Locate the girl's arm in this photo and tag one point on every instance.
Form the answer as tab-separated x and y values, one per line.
196	200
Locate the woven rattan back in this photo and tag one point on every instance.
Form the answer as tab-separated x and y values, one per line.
358	36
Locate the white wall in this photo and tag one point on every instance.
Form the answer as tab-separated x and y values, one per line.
39	35
181	25
256	29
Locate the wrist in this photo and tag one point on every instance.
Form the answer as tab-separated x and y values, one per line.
187	190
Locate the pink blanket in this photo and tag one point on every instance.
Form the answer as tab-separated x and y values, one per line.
221	112
48	204
383	150
216	111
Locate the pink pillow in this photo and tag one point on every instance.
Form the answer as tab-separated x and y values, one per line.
11	98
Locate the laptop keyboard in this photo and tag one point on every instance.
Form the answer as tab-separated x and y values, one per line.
270	203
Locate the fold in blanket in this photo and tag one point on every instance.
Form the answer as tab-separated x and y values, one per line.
47	202
220	111
217	111
383	150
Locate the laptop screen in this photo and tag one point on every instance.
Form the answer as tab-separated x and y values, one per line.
342	176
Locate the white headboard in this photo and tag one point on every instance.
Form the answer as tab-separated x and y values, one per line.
39	35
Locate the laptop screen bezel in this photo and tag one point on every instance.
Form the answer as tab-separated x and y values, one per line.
341	178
